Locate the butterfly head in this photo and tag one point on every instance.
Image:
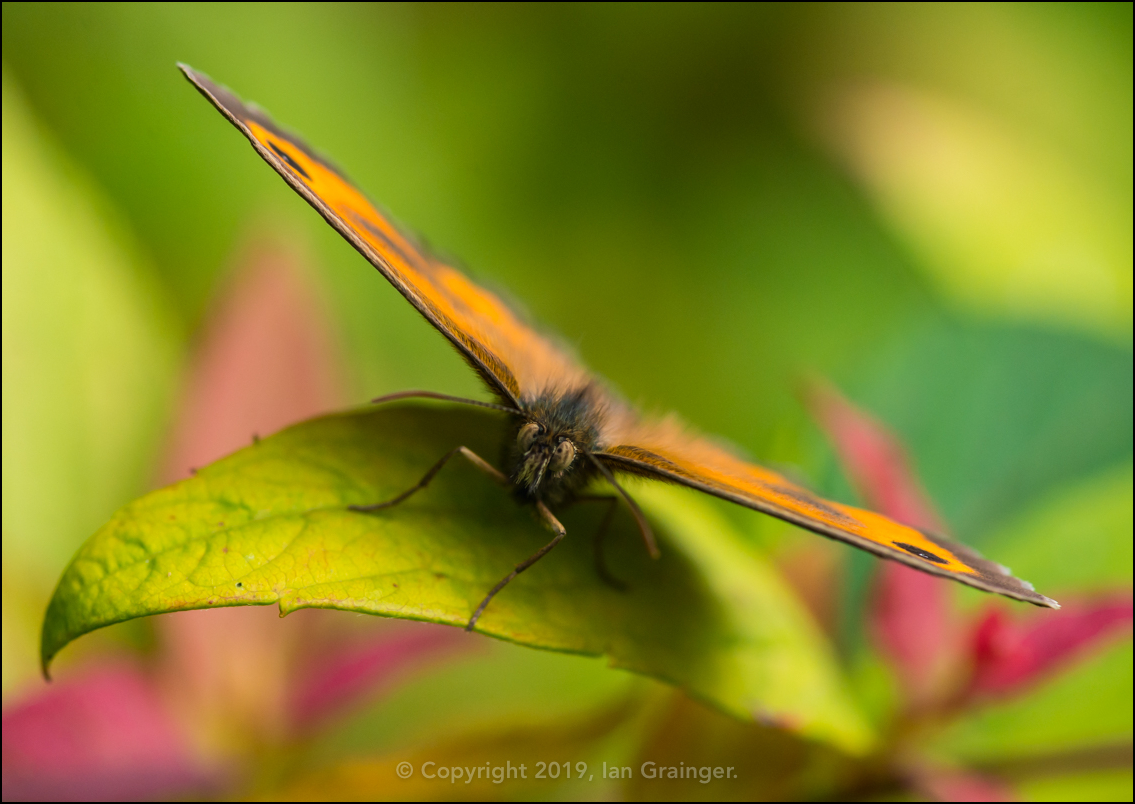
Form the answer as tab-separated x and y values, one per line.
556	431
545	455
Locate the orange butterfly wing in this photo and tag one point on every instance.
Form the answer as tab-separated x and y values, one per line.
513	359
666	451
519	364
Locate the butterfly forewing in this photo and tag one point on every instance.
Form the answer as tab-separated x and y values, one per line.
665	451
514	359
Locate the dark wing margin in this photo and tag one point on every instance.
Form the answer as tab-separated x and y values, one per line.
767	492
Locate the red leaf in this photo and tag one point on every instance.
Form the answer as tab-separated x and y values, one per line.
1009	657
941	785
910	617
874	459
814	570
912	623
360	671
266	359
103	735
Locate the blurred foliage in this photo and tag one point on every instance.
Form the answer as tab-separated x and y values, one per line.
931	205
71	366
90	359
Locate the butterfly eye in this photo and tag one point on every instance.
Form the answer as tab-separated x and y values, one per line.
563	456
527	435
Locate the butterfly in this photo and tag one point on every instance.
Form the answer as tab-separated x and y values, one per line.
568	429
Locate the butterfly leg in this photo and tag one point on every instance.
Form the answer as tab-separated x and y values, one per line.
600	534
556	528
471	456
640	518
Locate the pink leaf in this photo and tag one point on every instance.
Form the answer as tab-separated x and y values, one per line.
358	671
912	623
941	785
266	360
814	569
1009	657
874	459
103	735
910	617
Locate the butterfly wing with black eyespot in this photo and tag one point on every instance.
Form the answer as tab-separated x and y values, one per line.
514	360
666	451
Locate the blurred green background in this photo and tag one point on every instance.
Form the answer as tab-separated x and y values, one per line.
929	205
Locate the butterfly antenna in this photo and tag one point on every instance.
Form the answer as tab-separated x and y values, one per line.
444	398
640	518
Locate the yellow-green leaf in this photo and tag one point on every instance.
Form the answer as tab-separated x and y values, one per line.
270	524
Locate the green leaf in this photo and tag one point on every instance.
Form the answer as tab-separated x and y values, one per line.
269	524
1078	538
998	416
89	366
1108	785
89	354
1013	225
1086	706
